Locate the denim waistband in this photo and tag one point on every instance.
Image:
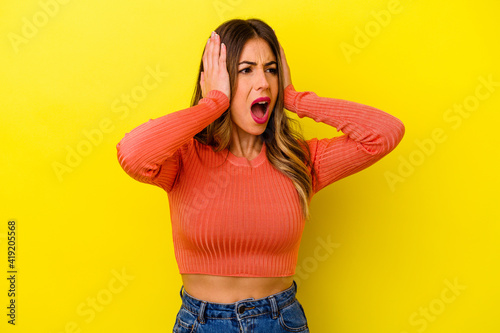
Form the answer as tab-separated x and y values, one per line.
241	309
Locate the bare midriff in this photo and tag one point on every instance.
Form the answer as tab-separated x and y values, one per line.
230	289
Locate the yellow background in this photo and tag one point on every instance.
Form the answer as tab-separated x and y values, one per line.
397	247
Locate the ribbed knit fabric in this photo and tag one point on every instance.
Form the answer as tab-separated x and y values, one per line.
235	217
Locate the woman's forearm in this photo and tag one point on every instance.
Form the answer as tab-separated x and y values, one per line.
143	150
377	131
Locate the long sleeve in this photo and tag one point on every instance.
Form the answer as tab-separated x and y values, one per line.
150	152
369	134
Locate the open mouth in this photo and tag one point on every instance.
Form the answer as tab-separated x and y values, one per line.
259	109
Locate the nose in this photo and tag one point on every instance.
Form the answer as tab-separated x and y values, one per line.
261	81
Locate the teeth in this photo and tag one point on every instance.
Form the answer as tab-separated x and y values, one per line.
262	103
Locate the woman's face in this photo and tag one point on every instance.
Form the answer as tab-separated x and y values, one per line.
257	78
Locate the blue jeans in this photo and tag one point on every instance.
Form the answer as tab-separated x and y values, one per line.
280	312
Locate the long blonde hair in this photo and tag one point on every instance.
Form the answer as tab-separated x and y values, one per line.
286	148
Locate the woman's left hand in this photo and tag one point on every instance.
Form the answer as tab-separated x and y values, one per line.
287	78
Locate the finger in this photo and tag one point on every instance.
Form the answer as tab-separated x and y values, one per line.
282	54
205	56
216	51
202	84
223	55
210	54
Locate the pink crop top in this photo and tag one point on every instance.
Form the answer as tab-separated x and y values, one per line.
237	217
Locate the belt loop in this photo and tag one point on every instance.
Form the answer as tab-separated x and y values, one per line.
274	307
201	314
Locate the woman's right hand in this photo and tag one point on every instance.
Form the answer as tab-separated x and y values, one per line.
215	75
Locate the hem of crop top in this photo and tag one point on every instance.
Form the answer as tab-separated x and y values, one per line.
238	274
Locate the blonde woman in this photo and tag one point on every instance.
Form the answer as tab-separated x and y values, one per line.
239	179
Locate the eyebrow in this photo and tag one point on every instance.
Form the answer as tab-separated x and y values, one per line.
255	64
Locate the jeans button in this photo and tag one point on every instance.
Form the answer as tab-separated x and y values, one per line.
241	309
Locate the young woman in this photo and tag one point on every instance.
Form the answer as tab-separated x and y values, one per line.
239	179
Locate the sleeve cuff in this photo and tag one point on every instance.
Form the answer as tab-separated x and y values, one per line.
218	97
290	95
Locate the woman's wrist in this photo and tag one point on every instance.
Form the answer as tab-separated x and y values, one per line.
289	99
